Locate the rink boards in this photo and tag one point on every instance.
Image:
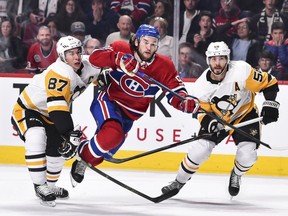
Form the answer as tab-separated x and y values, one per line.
161	125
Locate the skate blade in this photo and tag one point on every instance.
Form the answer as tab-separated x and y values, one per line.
73	182
62	198
48	203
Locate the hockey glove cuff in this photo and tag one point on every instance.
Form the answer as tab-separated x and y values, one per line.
190	105
270	111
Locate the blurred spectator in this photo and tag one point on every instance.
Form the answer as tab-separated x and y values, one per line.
164	9
18	10
90	44
187	67
243	46
29	28
78	30
228	13
262	22
250	6
202	38
12	52
209	5
101	21
38	12
138	10
266	63
52	25
278	45
3	11
85	6
68	13
284	8
42	53
165	46
188	19
46	8
125	26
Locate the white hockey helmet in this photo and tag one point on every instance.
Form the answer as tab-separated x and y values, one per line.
67	43
217	49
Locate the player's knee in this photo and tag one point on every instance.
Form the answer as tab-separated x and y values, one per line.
200	150
35	140
88	155
246	153
110	135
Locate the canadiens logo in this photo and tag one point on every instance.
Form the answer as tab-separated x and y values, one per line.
133	86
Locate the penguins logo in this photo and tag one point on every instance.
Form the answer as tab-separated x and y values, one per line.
225	104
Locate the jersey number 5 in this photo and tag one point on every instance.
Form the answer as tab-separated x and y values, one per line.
258	76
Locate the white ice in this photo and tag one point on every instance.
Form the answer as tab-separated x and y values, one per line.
204	194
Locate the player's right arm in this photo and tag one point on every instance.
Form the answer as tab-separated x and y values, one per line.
107	56
104	57
58	95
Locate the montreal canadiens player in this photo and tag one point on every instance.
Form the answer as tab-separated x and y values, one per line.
128	96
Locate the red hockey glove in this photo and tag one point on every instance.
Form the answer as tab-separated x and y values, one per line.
190	105
127	63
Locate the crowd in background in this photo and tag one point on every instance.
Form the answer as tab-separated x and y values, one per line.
255	30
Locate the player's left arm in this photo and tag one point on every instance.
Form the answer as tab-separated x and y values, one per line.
103	58
264	82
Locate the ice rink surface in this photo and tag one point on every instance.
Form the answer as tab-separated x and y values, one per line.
204	194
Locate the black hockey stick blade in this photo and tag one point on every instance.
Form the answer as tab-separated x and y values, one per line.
122	160
157	199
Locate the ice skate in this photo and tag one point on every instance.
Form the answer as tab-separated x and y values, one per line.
45	194
175	185
77	172
59	192
234	184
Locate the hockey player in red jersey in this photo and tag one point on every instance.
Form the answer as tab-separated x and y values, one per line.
128	96
43	121
227	89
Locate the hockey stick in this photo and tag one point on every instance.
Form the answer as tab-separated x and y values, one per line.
152	199
202	136
241	124
205	111
122	160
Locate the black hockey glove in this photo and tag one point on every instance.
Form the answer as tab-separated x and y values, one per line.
103	79
69	146
270	111
211	125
